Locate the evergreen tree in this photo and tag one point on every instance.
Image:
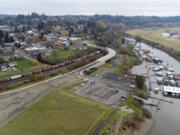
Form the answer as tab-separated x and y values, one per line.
1	34
11	39
16	30
39	57
24	29
6	38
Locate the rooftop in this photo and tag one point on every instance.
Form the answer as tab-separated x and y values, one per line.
172	89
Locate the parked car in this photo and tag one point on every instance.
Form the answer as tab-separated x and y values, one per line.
123	98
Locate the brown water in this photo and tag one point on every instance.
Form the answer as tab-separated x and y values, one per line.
167	119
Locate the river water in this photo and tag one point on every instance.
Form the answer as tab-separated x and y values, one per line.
167	119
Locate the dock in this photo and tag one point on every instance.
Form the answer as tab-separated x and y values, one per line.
163	100
147	102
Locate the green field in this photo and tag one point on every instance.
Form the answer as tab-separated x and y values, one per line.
62	54
90	42
23	64
59	113
155	35
118	70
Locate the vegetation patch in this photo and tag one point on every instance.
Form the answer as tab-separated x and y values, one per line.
93	42
63	54
133	120
23	64
155	35
58	113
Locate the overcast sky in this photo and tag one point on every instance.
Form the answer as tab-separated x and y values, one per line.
91	7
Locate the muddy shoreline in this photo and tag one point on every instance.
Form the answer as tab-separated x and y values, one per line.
146	126
170	51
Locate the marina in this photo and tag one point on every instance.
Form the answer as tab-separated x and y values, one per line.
165	114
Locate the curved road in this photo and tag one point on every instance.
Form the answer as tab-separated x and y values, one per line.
97	63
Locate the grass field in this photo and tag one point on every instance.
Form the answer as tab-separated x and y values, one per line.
62	54
128	63
118	70
23	64
59	113
90	42
155	35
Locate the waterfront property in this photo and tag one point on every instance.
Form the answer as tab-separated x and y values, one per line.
174	91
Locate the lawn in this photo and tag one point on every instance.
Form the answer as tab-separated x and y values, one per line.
90	42
156	36
59	113
62	54
118	70
23	64
128	63
129	104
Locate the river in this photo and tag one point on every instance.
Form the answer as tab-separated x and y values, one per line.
167	119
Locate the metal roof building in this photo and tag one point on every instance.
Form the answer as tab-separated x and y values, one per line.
169	89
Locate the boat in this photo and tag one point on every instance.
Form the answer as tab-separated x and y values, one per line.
170	69
159	106
177	76
172	82
165	93
160	80
159	74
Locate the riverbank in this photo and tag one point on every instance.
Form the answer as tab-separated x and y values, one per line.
167	111
145	127
170	51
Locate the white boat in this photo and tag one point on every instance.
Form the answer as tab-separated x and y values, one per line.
165	93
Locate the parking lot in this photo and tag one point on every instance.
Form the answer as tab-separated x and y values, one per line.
104	92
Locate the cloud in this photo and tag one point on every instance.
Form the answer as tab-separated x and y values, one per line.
90	7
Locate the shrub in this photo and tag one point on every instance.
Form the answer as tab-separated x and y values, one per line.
34	78
140	81
34	62
129	122
146	113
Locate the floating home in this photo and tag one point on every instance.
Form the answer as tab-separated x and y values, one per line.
169	90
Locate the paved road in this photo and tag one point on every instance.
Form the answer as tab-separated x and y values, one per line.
54	81
111	53
118	125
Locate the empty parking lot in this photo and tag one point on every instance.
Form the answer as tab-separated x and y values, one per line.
104	92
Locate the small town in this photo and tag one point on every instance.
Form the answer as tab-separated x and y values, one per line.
89	67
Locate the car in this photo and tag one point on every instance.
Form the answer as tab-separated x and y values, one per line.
159	74
91	82
123	98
